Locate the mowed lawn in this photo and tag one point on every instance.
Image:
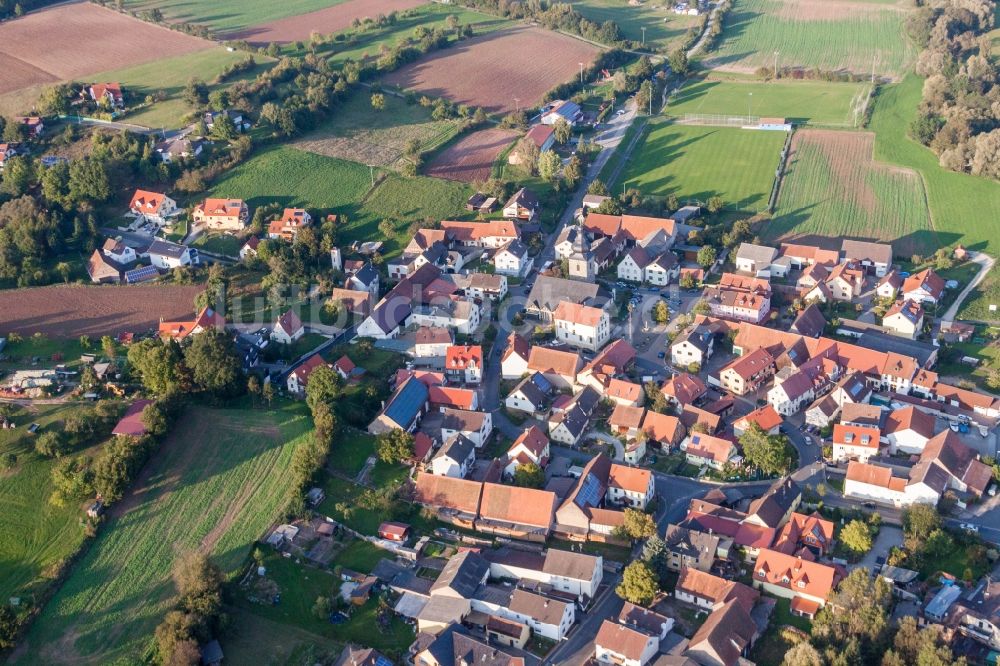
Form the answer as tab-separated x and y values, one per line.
169	76
294	177
362	134
806	35
697	163
34	534
664	29
217	483
812	102
832	188
229	15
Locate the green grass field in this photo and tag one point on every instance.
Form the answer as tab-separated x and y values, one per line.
361	134
217	483
229	15
363	44
34	534
170	76
294	177
837	39
812	102
832	189
664	29
697	163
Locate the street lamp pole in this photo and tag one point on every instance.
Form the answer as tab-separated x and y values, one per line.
644	36
581	73
775	65
749	101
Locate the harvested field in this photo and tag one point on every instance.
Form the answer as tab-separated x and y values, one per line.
326	21
75	40
833	188
69	311
471	157
491	70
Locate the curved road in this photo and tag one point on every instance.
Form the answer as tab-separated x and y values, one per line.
985	262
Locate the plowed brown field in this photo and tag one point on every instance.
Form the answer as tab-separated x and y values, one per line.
74	40
69	311
493	70
471	157
331	19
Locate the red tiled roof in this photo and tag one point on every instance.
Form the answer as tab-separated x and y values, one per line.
131	423
766	417
817	579
460	357
522	506
631	479
575	313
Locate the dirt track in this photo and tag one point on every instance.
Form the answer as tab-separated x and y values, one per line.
494	70
75	40
69	311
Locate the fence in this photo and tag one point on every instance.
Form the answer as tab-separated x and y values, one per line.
722	120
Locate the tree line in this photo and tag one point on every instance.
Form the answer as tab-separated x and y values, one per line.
959	115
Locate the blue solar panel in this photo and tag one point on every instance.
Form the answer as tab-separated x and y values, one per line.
590	492
411	399
141	274
856	388
696	439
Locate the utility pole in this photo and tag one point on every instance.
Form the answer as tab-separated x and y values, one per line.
517	104
749	101
643	36
581	73
775	65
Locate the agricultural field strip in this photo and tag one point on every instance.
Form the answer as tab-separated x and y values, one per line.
851	36
218	492
832	188
325	21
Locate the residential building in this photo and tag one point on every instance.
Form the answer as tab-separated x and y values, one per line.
705	590
455	457
740	298
766	417
810	322
532	395
288	328
756	259
694	345
364	278
287	226
908	430
456	312
630	486
464	364
846	281
153	207
523	205
925	287
492	234
221	214
747	373
520	513
624	646
109	95
432	342
548	292
889	285
564	110
164	254
808	584
403	410
514	361
855	443
875	258
513	259
559	367
726	636
485	286
475	425
811	533
905	319
708	451
570	572
531	446
690	548
205	319
568	423
582	326
683	389
453	500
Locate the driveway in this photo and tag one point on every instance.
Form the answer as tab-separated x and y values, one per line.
888	536
985	262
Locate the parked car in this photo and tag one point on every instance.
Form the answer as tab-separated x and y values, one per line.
969	527
661	355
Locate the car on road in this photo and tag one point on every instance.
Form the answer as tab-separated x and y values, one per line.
620	112
869	505
661	355
969	527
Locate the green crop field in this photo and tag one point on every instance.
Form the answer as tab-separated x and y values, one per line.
170	76
832	189
807	34
812	102
229	15
360	44
34	534
217	483
294	177
361	134
664	29
697	163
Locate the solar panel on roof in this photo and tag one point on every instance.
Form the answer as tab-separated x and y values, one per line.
590	492
856	389
696	439
141	274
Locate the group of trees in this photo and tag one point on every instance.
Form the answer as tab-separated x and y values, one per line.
209	364
197	615
79	429
771	454
959	116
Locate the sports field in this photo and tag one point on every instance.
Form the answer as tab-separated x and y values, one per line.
812	102
828	34
359	133
664	29
833	189
216	484
298	178
697	163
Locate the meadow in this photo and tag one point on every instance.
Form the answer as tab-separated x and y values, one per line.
35	536
294	177
832	189
229	15
217	483
664	29
361	134
696	163
805	33
811	102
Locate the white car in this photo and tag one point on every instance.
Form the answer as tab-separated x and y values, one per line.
620	112
969	527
